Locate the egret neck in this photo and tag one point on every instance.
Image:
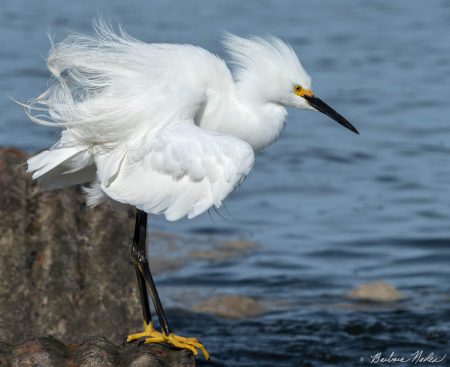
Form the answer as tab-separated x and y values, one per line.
244	116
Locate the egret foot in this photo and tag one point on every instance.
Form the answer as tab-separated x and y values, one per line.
148	331
153	336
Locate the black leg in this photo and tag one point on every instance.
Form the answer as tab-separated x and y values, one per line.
144	298
145	276
140	235
146	287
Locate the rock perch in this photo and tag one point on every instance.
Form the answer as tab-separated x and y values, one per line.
93	352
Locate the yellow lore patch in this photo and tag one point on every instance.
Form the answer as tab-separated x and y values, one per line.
300	91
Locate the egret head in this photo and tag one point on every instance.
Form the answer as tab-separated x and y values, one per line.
268	70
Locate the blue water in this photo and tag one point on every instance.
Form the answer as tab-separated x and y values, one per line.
329	209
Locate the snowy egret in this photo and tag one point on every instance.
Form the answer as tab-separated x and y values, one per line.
166	128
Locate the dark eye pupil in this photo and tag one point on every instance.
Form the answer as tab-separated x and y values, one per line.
298	88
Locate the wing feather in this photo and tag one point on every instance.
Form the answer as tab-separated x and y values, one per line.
182	171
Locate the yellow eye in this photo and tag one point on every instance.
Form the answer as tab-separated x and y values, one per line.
297	89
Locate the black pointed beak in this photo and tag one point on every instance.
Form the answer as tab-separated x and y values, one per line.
321	106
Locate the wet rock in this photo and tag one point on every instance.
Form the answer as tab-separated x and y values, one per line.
65	270
375	292
231	306
93	352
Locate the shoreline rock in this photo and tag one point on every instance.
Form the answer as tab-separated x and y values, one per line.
65	270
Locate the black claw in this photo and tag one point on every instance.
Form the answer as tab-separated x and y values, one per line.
125	341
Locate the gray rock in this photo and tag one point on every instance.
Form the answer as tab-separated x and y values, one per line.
65	270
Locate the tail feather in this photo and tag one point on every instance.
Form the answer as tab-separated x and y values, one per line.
63	166
60	177
47	160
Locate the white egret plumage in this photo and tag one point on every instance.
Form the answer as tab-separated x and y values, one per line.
166	128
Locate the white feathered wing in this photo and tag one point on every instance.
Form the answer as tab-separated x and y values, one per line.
182	171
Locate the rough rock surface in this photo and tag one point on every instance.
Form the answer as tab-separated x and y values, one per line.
65	270
93	352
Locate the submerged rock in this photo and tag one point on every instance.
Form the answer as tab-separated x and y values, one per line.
93	352
231	306
376	292
237	245
224	251
212	255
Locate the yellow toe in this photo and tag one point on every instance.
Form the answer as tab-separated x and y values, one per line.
187	343
148	332
153	336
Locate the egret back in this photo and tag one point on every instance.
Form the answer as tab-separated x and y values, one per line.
111	86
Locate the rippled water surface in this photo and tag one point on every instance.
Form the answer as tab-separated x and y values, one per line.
329	209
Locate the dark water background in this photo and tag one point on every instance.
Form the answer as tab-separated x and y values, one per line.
329	209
